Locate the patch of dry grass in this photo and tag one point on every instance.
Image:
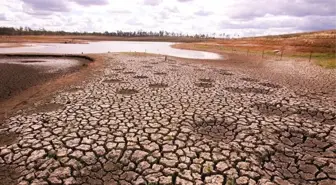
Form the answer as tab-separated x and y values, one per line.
329	63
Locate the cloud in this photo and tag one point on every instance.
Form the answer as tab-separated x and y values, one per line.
3	17
134	21
243	17
45	6
172	9
313	23
91	2
152	2
203	13
242	9
257	24
119	11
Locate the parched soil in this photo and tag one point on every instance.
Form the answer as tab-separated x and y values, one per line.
235	132
305	78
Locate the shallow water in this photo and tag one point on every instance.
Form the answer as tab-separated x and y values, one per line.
163	48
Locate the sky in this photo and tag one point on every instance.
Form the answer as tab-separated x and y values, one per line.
233	17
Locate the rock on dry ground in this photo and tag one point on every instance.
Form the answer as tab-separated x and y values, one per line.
142	120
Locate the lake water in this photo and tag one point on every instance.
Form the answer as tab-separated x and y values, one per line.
163	48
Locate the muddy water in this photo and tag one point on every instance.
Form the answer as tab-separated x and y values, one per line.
163	48
48	65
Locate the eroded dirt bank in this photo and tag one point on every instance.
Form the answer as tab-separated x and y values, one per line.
19	72
25	77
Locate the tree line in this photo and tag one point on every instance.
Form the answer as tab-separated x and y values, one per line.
140	33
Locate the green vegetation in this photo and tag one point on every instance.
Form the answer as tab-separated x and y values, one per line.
170	137
52	155
152	183
208	169
329	63
230	181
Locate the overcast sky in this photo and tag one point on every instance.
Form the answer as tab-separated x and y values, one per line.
243	17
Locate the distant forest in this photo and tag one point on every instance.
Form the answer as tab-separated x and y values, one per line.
29	31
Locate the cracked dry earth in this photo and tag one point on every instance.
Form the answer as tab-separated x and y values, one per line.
141	120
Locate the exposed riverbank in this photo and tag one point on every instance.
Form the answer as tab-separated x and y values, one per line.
22	76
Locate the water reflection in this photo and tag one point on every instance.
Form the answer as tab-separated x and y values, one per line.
163	48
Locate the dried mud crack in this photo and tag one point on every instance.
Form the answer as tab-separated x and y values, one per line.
238	132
